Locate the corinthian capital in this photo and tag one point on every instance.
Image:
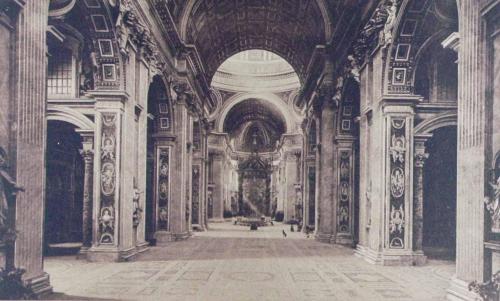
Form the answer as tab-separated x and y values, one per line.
420	159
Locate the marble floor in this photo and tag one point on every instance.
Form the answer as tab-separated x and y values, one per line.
232	263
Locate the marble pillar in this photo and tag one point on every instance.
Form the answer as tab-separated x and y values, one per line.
218	189
327	200
27	136
473	76
290	195
345	154
162	182
418	192
87	153
180	171
107	212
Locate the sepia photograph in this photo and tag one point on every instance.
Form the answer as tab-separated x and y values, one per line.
250	150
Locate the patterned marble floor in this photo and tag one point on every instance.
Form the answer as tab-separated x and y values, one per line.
232	263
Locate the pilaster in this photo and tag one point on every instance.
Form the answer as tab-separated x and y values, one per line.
473	74
345	190
108	207
27	139
327	200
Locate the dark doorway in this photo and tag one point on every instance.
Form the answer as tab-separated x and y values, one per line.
64	189
440	194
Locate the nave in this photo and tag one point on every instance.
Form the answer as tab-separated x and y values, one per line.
134	129
230	262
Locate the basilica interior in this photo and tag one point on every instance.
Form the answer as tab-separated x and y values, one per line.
252	149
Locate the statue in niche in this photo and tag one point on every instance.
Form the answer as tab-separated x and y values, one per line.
493	206
339	89
353	67
398	149
8	188
89	67
137	210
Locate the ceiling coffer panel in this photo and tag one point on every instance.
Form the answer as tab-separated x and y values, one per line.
289	28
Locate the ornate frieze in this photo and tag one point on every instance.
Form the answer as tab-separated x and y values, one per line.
397	185
108	171
195	193
130	28
182	93
344	192
163	187
378	30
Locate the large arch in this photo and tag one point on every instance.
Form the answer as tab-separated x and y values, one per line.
72	116
321	4
273	99
291	29
439	121
414	30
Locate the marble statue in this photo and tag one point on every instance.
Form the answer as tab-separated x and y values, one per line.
392	11
137	210
8	187
493	206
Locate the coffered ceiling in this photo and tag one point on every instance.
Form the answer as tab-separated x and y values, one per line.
221	28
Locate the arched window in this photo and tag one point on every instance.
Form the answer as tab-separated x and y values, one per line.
64	49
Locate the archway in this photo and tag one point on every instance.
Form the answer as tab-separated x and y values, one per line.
64	187
440	193
159	133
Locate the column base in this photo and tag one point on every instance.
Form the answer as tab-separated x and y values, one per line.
113	254
198	228
132	253
82	254
344	239
459	291
323	237
40	284
182	236
163	238
391	257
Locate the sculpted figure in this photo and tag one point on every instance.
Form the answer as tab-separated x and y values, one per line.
493	205
389	23
8	187
122	26
137	210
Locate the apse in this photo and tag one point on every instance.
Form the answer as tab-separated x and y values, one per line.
255	125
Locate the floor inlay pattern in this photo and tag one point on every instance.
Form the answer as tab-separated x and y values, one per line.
232	263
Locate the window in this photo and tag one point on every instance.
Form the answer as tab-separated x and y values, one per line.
61	74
